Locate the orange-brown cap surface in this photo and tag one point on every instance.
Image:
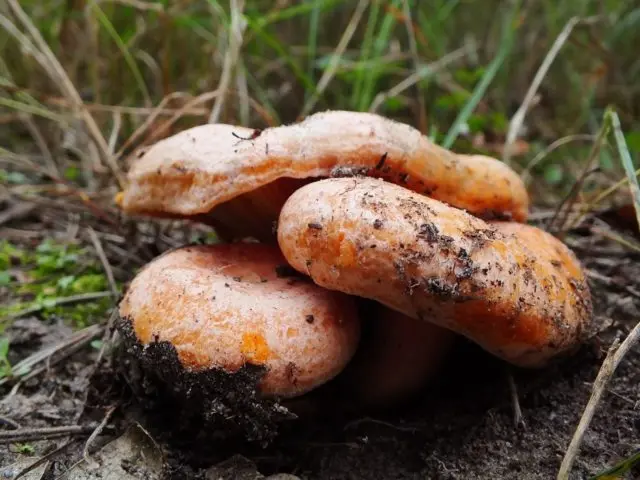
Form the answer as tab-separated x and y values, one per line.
514	289
195	171
223	306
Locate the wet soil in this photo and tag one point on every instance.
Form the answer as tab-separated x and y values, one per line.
460	427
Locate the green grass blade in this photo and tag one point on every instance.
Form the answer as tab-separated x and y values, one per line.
32	109
429	28
625	158
194	27
365	51
312	43
295	11
6	80
262	96
476	96
482	86
133	66
380	43
270	40
619	469
445	11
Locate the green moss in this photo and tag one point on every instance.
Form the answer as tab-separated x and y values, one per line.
53	271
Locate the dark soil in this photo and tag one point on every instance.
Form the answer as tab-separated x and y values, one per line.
460	427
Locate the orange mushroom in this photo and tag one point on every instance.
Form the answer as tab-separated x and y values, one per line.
222	307
237	179
422	240
515	290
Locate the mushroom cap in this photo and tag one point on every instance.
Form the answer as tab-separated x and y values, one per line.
192	173
515	290
226	306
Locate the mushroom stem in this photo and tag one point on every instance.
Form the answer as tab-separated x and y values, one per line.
397	358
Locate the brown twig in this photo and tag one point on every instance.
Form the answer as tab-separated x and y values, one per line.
105	262
62	356
516	121
105	337
17	211
43	459
9	421
587	169
67	346
518	418
236	31
96	432
155	113
38	138
83	196
360	421
83	297
35	434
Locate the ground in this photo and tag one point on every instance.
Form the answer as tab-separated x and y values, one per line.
461	426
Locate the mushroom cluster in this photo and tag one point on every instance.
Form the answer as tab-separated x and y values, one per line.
342	209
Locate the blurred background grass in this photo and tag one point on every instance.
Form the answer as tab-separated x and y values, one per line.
81	80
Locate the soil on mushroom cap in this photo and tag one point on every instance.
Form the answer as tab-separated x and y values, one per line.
224	405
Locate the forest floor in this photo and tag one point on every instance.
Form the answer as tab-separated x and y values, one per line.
74	408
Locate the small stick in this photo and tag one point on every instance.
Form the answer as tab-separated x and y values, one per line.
518	418
94	435
66	353
78	339
42	460
9	421
105	262
83	297
611	362
234	45
358	422
108	331
19	210
34	434
516	121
